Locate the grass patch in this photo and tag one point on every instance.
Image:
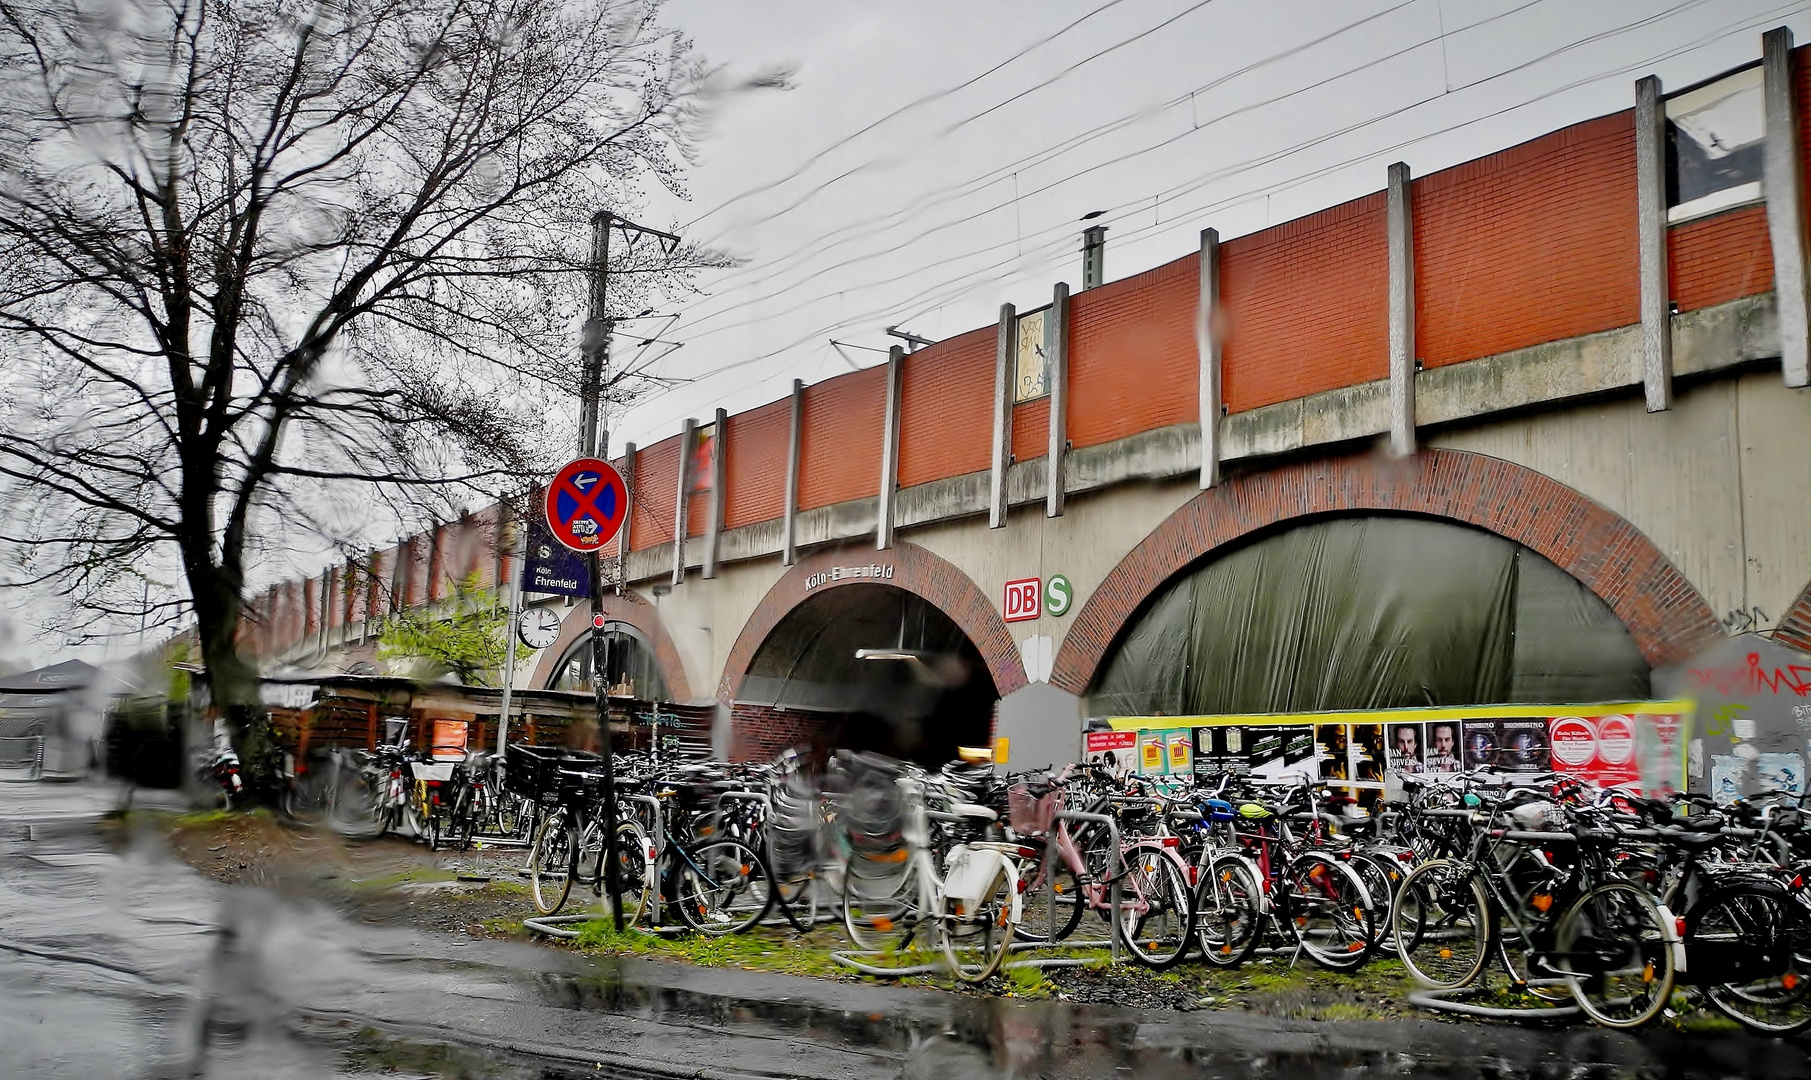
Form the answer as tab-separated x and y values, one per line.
762	949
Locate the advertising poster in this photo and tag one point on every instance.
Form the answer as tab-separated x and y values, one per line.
1180	747
1405	749
1522	746
1367	753
1331	747
1442	754
1598	749
1264	751
1208	757
1115	750
1151	754
1480	743
1220	751
1659	748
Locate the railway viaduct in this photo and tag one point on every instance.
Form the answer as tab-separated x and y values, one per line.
1575	345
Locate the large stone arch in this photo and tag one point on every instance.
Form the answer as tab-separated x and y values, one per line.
628	608
914	569
1662	610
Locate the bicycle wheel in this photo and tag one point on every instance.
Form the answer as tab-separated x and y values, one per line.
723	887
1052	905
1327	911
1441	924
975	937
1610	946
1761	938
880	907
1229	912
1382	875
792	863
634	870
412	812
1155	921
550	864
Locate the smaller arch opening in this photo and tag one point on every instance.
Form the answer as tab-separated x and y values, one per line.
921	690
633	670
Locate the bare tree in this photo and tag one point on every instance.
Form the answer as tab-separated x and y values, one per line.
259	255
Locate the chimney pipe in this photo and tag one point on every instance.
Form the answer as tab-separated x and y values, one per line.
1094	255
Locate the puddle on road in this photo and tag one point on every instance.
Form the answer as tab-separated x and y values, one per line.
973	1037
228	1009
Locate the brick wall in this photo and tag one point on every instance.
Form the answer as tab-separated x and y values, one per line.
1721	258
839	447
1132	361
656	486
755	464
1532	244
1030	430
946	411
1307	305
761	732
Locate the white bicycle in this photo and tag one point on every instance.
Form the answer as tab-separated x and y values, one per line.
895	900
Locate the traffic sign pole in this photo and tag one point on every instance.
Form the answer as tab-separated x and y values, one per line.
594	441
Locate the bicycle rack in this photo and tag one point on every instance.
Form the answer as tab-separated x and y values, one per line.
851	958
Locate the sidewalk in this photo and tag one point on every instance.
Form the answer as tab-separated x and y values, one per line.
35	808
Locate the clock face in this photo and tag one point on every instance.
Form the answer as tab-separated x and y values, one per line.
538	627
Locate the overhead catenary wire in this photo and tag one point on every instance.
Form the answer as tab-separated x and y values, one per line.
1234	167
1042	255
916	103
893	250
816	245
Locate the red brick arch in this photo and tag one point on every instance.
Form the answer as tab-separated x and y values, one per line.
1665	614
1795	627
915	570
628	608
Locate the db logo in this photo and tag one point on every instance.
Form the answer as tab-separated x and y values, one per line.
1023	599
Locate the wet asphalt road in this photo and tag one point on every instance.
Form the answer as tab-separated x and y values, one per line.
133	966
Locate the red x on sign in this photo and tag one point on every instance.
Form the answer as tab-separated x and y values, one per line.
586	503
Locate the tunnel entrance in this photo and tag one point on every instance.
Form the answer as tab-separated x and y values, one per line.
866	667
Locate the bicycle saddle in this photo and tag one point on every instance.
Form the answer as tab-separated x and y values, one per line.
973	810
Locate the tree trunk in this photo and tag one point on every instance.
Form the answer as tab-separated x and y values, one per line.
233	682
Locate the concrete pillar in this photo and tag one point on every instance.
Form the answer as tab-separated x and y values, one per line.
1207	357
1783	184
688	438
1004	353
789	549
1650	213
889	450
1043	726
1059	401
1402	313
719	457
624	542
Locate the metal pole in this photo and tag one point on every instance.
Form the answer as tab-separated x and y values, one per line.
509	662
597	355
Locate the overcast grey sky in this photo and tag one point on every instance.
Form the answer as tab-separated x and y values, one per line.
1171	115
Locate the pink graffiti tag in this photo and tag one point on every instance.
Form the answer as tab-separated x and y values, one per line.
1753	680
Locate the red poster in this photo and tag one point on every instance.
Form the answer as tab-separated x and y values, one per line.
1116	750
1597	749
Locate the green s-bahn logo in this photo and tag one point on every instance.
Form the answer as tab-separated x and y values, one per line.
1058	595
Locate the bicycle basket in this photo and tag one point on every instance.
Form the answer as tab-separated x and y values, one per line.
1031	815
439	772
